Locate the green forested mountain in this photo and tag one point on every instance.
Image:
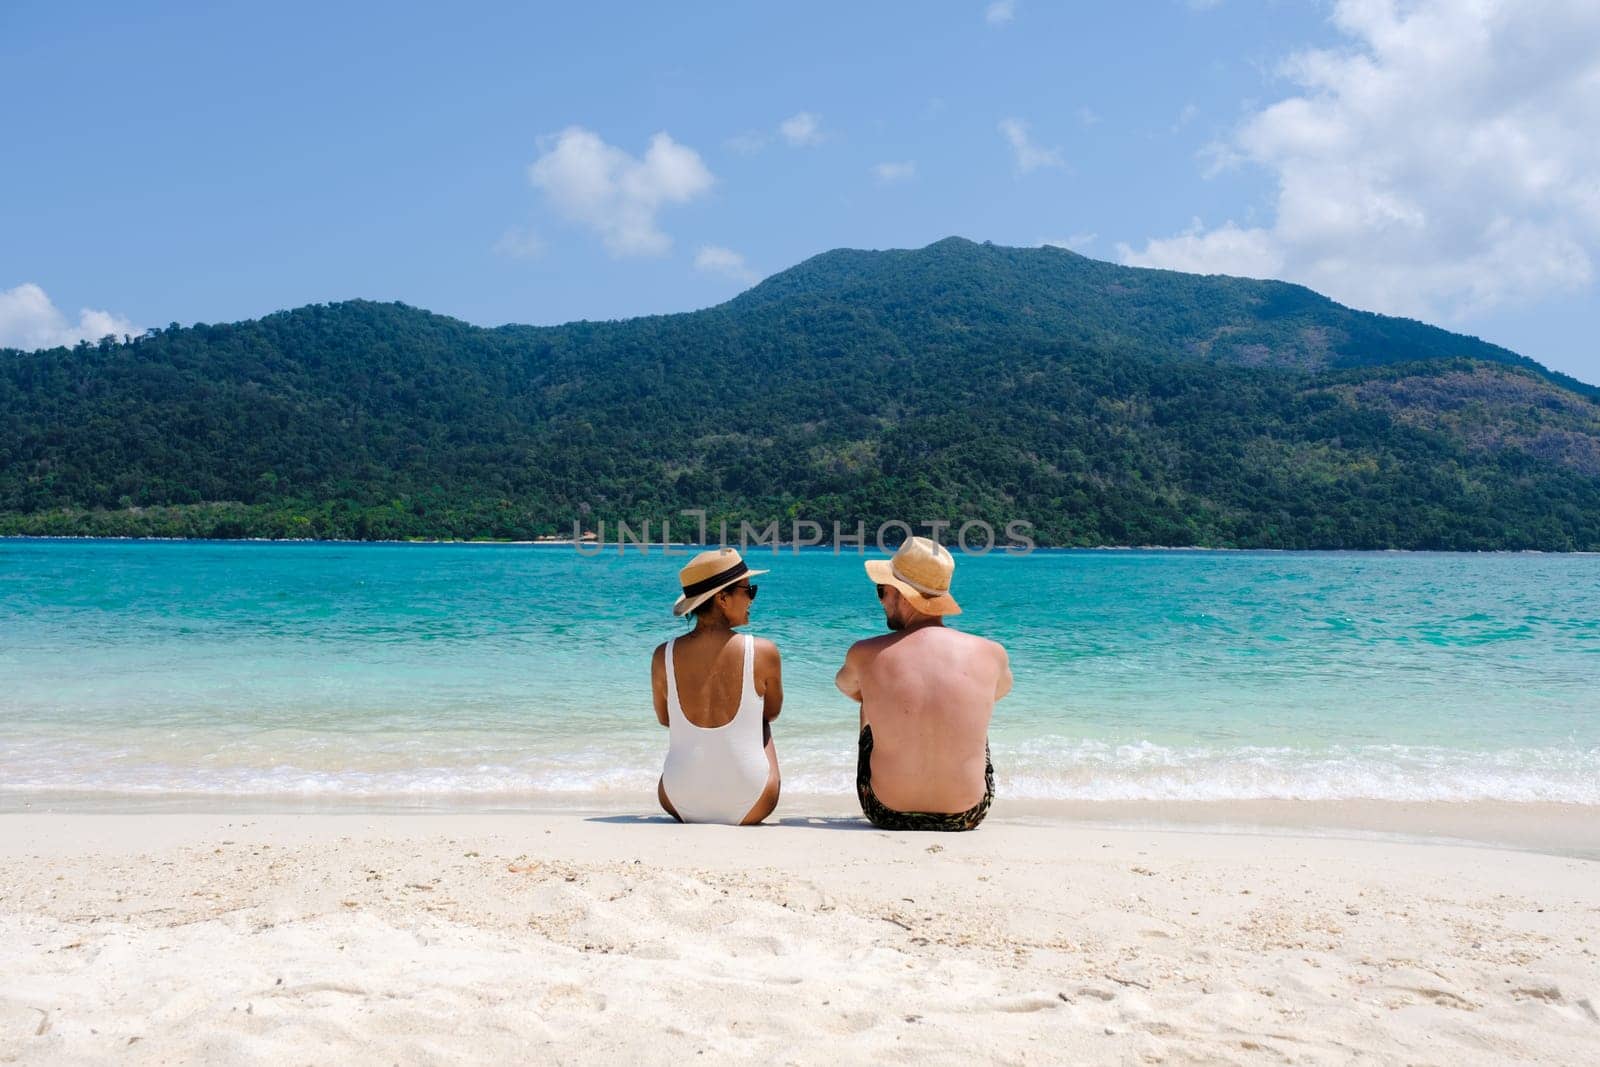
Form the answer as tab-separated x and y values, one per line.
1105	404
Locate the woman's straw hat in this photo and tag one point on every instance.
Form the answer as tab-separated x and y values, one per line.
707	575
921	570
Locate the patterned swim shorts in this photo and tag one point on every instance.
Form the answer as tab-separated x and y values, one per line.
885	818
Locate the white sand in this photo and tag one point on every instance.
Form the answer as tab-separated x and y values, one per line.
496	938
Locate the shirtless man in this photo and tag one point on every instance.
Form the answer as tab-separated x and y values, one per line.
926	694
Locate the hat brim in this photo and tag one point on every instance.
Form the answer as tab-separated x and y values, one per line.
687	604
881	571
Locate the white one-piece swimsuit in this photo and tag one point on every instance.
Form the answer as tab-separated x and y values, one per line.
716	774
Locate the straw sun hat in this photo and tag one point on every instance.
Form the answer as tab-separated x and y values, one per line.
921	570
707	575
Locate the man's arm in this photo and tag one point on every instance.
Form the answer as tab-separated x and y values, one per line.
658	683
849	677
1003	682
849	680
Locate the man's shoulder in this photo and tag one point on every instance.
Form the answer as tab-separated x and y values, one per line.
869	645
995	646
972	638
987	646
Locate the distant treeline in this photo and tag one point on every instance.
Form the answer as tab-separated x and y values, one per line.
1102	404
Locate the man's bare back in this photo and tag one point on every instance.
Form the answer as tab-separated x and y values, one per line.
928	693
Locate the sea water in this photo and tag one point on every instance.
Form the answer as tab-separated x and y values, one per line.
506	675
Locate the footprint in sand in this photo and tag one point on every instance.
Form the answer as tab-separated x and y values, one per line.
568	995
1442	997
765	945
809	895
655	952
1548	993
1036	1002
183	1004
854	1022
308	988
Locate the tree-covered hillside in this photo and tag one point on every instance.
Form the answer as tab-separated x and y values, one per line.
1105	404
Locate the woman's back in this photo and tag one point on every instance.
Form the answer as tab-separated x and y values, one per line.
710	675
717	767
716	691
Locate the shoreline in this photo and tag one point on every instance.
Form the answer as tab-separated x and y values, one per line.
1556	829
622	548
623	938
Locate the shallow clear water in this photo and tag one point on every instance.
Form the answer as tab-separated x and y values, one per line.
488	673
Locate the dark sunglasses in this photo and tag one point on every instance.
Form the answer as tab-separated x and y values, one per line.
883	591
749	588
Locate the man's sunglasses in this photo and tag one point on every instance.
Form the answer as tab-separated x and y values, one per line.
883	591
748	588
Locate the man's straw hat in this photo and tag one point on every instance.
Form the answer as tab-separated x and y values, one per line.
707	575
921	570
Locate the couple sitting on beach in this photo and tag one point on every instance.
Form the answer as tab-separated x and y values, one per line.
926	694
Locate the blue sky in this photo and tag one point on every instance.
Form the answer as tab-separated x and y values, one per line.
494	162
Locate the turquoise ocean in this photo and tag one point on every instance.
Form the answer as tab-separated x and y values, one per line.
506	676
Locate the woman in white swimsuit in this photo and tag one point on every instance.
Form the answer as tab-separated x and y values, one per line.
718	692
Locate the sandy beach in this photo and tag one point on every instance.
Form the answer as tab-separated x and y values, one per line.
494	938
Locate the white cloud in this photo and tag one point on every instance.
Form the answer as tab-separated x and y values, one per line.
612	192
1185	116
1442	164
1077	242
30	320
1029	155
1000	12
714	259
1228	249
519	242
1088	116
802	130
747	144
889	173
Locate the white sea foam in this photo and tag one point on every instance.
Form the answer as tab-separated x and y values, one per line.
1040	769
1093	770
